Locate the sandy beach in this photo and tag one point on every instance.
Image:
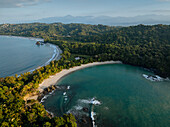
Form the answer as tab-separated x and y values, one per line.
52	80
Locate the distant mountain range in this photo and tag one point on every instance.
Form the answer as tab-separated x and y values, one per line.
106	20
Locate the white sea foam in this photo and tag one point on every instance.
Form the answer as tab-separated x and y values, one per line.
90	101
55	54
78	107
153	78
159	78
95	102
43	99
68	87
52	92
50	113
93	119
85	101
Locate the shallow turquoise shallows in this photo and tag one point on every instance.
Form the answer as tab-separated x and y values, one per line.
127	98
19	55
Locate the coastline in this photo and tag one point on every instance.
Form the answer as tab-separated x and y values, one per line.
52	80
55	47
56	50
56	56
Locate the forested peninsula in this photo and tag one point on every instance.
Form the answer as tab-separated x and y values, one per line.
144	46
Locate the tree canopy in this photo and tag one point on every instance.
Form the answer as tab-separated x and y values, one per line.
145	46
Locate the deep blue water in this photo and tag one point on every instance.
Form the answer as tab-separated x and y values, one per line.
19	55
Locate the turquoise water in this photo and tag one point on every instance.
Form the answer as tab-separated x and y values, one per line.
127	98
19	55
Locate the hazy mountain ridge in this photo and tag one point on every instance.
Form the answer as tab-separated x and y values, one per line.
106	20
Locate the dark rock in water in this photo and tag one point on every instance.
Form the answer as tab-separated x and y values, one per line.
154	76
85	109
49	89
40	97
45	91
38	43
84	120
53	87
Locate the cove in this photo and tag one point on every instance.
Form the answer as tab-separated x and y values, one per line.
19	55
126	98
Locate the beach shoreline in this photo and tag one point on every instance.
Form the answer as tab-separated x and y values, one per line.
52	80
56	51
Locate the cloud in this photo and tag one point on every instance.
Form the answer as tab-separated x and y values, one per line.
20	3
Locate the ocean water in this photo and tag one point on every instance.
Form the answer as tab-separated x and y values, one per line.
121	97
19	55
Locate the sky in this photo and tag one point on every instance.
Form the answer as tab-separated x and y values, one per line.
25	10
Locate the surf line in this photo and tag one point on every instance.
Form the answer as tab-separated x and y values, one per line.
55	56
92	113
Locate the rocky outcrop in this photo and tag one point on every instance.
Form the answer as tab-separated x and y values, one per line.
38	43
85	109
46	91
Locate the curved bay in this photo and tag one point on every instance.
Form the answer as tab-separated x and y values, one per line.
19	55
128	99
